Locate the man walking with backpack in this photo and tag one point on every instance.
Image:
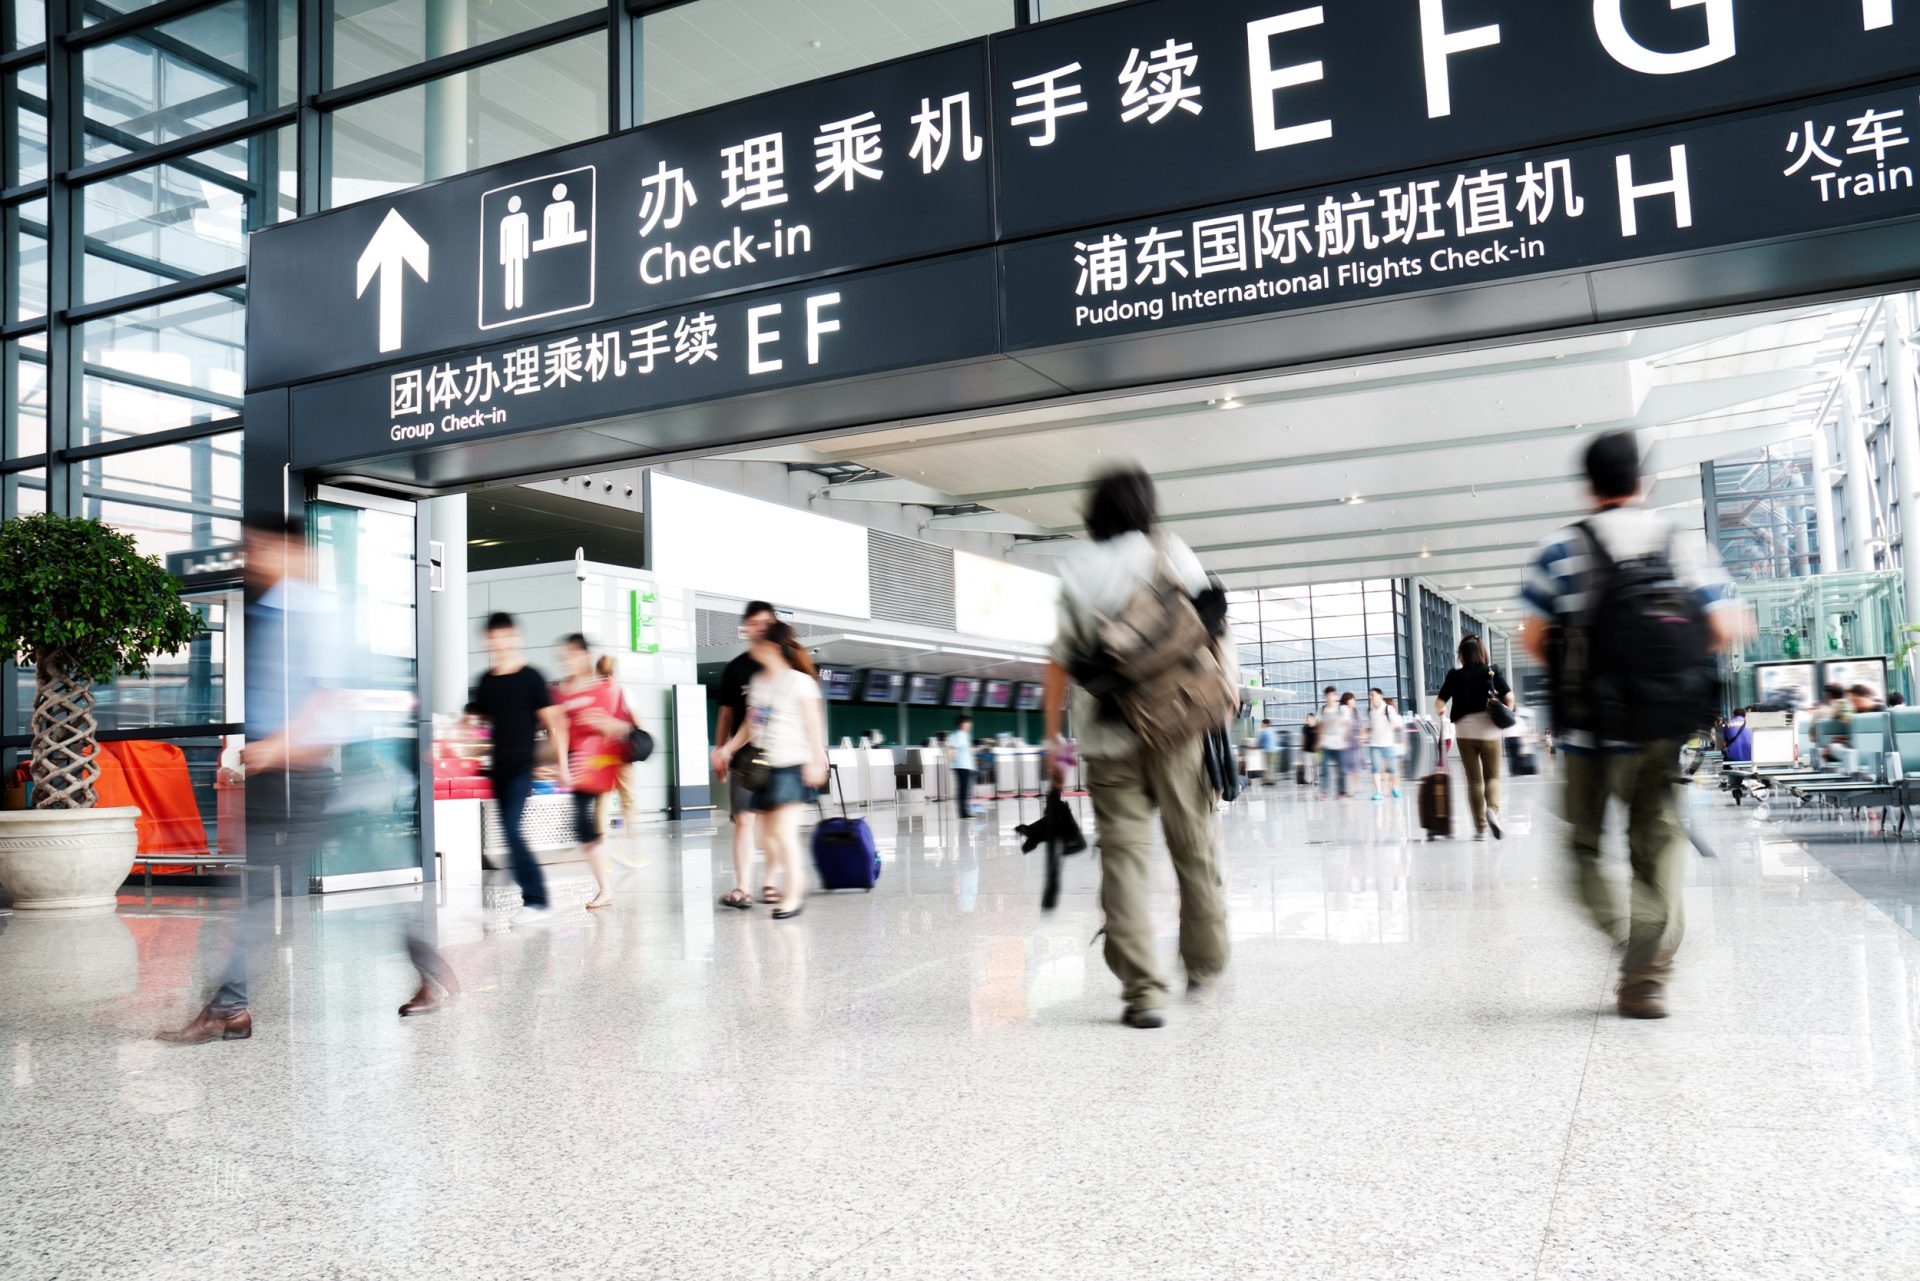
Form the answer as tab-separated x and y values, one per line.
1628	618
1140	638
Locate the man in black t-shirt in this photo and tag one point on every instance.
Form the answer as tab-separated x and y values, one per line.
514	700
733	712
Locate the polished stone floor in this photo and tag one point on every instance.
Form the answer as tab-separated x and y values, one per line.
1413	1071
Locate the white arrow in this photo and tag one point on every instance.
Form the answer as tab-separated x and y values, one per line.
395	244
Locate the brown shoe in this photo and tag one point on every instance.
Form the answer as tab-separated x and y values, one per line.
425	1001
211	1025
1642	999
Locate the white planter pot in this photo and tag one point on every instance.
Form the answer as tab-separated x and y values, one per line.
66	861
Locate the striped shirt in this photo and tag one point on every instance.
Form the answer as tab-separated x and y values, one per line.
1560	580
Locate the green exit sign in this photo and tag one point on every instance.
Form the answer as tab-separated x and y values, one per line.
643	621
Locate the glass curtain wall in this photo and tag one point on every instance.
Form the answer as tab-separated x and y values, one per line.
142	140
1296	641
1763	512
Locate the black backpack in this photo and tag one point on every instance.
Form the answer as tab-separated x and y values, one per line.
1638	666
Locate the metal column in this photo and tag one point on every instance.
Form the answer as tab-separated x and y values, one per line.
1853	454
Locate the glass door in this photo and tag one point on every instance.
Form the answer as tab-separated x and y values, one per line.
363	559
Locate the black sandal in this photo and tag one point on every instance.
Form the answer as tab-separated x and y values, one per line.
737	898
769	894
788	913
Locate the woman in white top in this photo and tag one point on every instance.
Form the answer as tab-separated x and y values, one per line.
1383	744
787	725
1336	736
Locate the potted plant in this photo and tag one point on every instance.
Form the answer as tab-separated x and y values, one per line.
81	605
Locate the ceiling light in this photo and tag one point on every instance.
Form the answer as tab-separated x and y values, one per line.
886	641
980	653
1226	402
1425	554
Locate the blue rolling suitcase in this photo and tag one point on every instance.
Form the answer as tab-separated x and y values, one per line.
844	850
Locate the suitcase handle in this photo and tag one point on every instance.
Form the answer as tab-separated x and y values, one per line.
838	791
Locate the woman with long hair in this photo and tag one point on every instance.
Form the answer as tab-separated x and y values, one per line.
787	725
623	777
1463	698
597	727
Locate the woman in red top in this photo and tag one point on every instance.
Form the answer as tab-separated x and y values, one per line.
597	727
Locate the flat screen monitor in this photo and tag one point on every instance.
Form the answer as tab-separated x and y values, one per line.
963	691
1848	672
1028	696
925	691
883	687
1786	686
997	695
836	684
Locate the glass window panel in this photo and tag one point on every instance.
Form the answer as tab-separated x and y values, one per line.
163	367
186	75
26	118
198	478
1326	628
26	237
188	687
26	425
23	492
1289	651
188	217
1045	9
29	24
161	531
1344	672
715	51
505	110
373	37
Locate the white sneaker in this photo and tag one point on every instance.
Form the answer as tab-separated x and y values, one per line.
532	916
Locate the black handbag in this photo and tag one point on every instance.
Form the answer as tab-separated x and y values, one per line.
749	769
1497	710
639	745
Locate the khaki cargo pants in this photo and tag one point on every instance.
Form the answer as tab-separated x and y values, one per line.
1126	791
1643	782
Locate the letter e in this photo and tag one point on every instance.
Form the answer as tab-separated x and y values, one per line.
758	338
1267	80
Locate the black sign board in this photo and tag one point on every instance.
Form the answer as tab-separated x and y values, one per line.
1150	107
895	318
1820	165
879	166
208	566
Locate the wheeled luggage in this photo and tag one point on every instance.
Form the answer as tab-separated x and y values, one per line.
1436	800
844	851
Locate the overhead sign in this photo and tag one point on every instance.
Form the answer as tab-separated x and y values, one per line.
1143	108
1817	166
220	564
881	166
1206	162
895	318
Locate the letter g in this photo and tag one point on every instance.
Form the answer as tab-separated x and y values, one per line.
1610	22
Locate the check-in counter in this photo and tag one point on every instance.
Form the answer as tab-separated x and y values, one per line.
877	786
850	764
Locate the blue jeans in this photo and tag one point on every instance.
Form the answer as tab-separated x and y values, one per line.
963	791
511	792
1333	765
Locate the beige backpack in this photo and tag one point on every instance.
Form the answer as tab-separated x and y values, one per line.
1161	667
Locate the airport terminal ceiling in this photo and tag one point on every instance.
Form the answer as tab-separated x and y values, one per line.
1447	467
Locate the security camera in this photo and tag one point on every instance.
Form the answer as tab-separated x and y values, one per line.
580	563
